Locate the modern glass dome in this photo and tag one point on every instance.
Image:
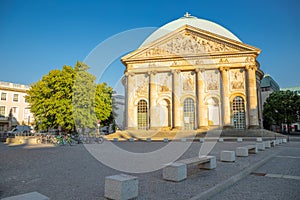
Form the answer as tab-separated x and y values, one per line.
192	21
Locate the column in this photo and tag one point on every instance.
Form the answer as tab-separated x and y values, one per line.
225	97
252	96
202	112
130	115
176	99
152	100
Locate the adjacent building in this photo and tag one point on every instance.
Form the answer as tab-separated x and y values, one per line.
14	110
192	74
119	110
267	86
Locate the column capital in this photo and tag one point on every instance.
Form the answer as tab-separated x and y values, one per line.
129	73
177	71
199	70
251	67
152	72
223	68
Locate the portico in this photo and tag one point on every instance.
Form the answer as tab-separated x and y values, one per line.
198	75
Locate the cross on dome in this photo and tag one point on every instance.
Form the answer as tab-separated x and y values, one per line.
187	14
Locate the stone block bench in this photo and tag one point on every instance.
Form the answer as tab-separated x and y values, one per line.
121	187
261	146
227	156
284	140
177	171
267	144
244	151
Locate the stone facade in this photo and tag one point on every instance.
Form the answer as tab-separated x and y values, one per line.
192	79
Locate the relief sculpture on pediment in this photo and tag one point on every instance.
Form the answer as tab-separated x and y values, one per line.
187	44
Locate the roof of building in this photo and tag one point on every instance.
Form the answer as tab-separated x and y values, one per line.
268	81
192	21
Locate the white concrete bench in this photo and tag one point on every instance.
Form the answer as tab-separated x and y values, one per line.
28	196
177	171
284	140
246	150
267	144
121	186
227	156
261	146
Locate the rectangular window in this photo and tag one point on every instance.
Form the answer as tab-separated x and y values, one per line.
3	96
2	111
14	110
26	113
16	98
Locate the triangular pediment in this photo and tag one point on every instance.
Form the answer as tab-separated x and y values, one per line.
189	41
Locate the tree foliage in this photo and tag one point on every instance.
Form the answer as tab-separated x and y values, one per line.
68	97
50	99
84	97
103	102
281	107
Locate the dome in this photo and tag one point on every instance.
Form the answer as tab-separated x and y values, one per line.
192	21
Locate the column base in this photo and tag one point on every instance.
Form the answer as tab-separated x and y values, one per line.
254	127
176	128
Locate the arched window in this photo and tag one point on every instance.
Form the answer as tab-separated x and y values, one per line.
142	114
189	114
238	109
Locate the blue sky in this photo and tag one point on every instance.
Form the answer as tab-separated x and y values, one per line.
41	35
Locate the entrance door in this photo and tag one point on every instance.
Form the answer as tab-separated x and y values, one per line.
189	114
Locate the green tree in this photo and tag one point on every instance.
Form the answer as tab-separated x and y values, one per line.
84	91
69	97
50	99
281	107
103	103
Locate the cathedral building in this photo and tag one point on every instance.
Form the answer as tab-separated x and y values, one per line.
192	74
